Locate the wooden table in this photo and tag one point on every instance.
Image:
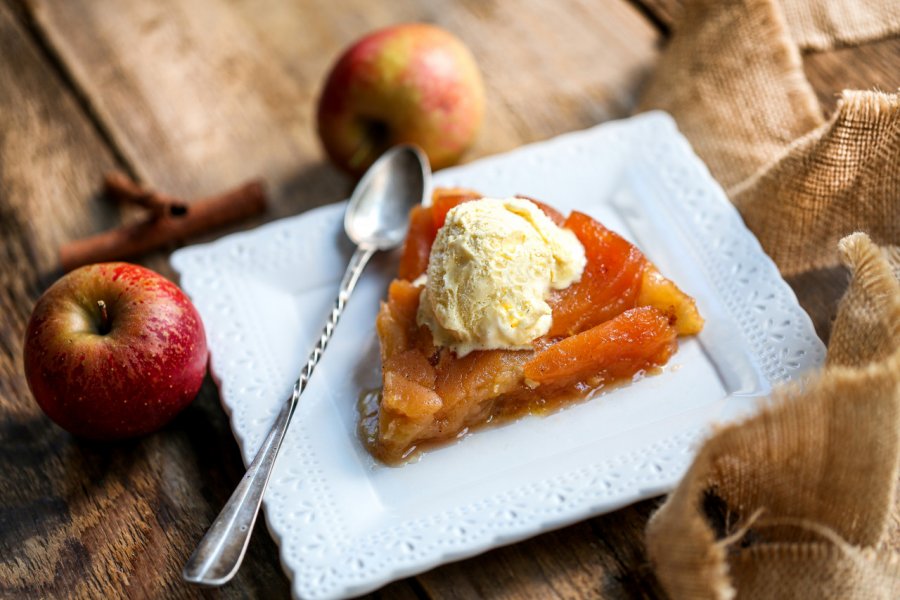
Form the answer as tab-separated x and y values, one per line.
192	97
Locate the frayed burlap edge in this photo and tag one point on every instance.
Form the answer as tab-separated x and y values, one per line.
867	327
812	476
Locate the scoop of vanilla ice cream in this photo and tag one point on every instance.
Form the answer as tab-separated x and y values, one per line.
491	269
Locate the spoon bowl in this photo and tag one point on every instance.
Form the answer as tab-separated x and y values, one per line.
378	213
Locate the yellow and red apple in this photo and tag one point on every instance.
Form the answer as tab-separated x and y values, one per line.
411	83
113	351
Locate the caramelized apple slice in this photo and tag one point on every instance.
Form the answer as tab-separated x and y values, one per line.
397	318
476	377
548	210
444	199
609	284
410	399
408	396
636	339
417	247
424	222
431	394
662	293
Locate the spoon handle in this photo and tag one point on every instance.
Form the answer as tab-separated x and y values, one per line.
219	554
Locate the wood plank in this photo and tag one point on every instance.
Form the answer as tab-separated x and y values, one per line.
77	519
548	69
199	95
189	97
870	66
665	12
603	557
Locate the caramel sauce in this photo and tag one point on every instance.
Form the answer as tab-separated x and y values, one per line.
501	411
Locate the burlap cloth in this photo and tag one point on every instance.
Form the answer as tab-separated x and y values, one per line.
800	500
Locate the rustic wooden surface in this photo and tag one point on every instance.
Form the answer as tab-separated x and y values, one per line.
192	97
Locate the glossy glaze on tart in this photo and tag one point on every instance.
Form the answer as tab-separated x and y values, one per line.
621	319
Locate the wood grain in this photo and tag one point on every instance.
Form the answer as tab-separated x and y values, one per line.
190	98
193	97
871	66
82	520
663	13
602	557
203	94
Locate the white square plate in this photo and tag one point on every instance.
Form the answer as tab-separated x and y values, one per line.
344	523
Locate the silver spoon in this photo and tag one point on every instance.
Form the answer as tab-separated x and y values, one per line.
376	219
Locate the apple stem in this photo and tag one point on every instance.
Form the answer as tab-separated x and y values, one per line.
104	317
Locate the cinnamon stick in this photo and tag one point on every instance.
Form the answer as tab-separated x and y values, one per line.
122	188
163	227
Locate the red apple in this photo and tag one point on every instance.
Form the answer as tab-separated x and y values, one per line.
114	350
412	83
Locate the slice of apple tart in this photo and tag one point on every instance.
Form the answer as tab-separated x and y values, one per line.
502	307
